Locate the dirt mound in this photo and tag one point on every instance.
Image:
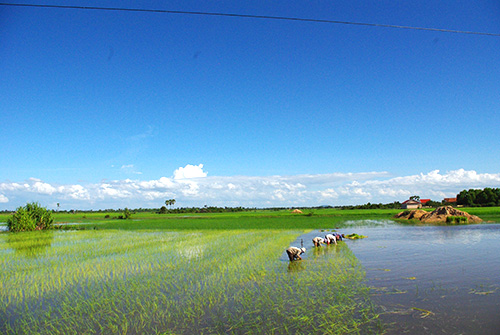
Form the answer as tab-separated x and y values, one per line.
411	215
440	214
297	211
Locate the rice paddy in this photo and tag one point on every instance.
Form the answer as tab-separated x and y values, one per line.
178	282
229	274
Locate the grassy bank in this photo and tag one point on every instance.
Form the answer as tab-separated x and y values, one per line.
263	219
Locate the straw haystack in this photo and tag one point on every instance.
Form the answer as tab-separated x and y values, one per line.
297	211
438	215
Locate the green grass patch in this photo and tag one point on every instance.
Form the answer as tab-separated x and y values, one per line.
313	219
457	220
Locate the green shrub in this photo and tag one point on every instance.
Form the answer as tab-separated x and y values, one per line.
127	214
456	219
163	210
30	217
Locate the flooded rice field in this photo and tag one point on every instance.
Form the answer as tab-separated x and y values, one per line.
433	279
418	279
160	282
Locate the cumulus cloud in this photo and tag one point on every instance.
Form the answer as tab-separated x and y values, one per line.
191	186
190	171
42	188
77	192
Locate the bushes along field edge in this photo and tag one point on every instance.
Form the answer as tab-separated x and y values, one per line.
30	217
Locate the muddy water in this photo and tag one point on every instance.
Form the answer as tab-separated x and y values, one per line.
432	279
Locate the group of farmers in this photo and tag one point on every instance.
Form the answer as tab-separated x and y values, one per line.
294	252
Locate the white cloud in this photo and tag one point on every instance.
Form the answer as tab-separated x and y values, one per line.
130	169
113	191
190	171
11	187
42	188
155	195
162	183
77	192
191	186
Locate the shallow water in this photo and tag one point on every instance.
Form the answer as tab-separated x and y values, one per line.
432	279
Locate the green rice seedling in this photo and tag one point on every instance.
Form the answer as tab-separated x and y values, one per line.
424	313
354	236
151	281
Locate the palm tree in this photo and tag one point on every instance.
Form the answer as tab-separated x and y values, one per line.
170	202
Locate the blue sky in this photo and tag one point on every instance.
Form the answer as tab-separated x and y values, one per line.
108	109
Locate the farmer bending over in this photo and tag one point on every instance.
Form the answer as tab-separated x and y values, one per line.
317	241
330	238
294	253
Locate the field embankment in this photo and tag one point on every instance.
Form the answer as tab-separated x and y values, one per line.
260	219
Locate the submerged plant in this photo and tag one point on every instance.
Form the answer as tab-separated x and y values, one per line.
354	236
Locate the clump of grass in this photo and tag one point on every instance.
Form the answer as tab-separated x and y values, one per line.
457	220
354	236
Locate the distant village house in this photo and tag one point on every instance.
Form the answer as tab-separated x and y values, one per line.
411	204
414	203
424	201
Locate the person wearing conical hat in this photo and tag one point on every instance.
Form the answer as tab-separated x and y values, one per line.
294	253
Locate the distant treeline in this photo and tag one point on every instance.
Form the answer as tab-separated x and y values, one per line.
205	209
469	198
162	210
479	198
391	205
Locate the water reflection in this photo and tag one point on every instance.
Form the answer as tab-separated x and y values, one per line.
461	235
191	252
451	271
296	266
325	250
30	244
